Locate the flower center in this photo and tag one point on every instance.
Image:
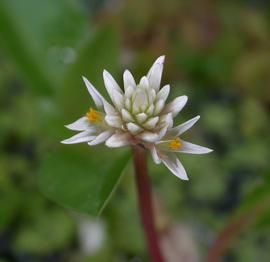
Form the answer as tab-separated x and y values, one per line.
175	144
93	115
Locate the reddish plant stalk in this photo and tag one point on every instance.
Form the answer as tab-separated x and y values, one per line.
224	239
145	203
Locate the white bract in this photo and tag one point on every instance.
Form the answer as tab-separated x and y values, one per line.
138	115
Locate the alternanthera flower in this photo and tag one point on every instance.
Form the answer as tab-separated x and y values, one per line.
138	116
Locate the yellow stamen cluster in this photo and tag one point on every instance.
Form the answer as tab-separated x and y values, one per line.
93	115
175	144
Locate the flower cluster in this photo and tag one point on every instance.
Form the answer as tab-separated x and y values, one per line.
138	116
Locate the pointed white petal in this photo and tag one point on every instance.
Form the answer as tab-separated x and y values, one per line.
162	132
149	137
117	99
167	120
141	117
113	89
144	83
109	109
100	138
155	76
128	80
175	166
160	60
113	121
159	106
151	122
129	91
110	83
190	148
98	98
151	93
140	101
176	105
164	92
128	103
150	110
80	125
118	140
154	155
180	129
85	136
155	73
127	116
133	128
94	93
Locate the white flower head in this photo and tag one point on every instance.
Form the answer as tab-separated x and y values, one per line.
138	115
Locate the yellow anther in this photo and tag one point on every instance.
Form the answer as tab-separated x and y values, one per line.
93	115
175	144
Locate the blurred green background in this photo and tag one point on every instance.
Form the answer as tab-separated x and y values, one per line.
217	53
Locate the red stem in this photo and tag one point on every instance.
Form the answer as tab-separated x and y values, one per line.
225	237
145	203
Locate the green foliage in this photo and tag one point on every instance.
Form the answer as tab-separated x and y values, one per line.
216	53
81	181
42	38
100	51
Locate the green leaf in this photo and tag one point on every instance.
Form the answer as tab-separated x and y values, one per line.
42	38
99	52
81	180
